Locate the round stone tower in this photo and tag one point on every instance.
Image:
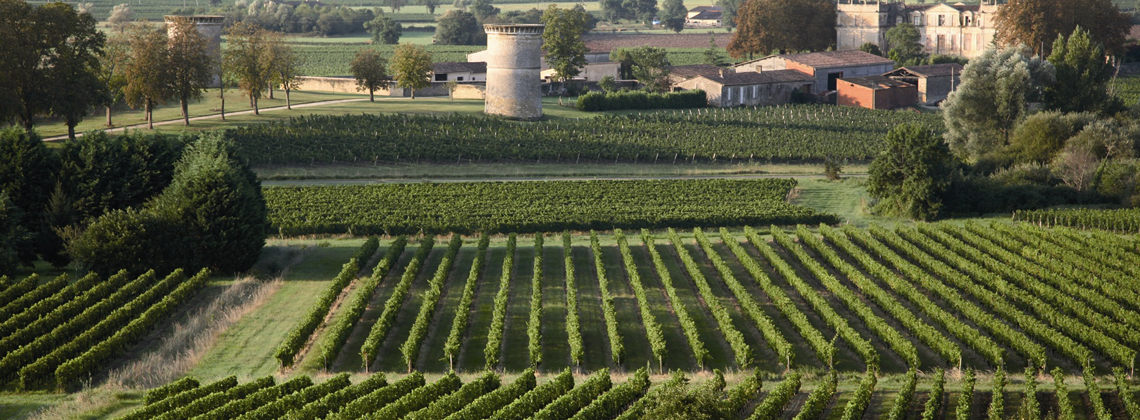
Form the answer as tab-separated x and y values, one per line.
514	71
211	28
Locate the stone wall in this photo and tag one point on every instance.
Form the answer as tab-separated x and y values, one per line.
514	71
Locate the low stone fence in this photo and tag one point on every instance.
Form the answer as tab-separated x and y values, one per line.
346	84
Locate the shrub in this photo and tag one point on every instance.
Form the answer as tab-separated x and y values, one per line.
611	101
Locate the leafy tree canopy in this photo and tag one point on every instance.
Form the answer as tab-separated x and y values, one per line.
411	67
562	41
910	175
1083	75
766	25
673	14
370	70
904	45
993	97
1037	23
457	27
384	30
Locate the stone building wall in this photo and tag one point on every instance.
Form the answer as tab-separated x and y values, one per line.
514	71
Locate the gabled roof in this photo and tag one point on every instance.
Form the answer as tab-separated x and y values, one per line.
876	82
690	71
933	70
832	59
706	8
458	67
730	78
708	15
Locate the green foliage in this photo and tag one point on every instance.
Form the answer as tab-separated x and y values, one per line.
773	405
576	399
38	304
901	405
530	403
934	402
211	215
735	338
486	405
369	351
612	403
380	398
100	172
411	66
370	71
162	392
499	313
1082	77
573	326
338	333
180	399
824	350
1125	392
12	236
49	62
673	15
411	347
819	398
462	313
468	207
678	401
609	313
1042	135
688	325
1100	410
871	48
235	408
1030	408
384	30
333	402
993	98
997	399
562	41
843	329
419	398
1064	402
965	397
300	333
858	403
639	99
534	323
910	175
461	398
458	27
904	45
27	175
129	329
217	399
800	132
895	340
652	326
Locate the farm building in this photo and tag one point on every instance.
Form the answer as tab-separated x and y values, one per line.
875	92
729	88
678	74
461	72
825	68
935	82
705	17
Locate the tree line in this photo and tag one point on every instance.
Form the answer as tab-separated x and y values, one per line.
59	65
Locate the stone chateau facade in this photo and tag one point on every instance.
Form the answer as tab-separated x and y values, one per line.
950	29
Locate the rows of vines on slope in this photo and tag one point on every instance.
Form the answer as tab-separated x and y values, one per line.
781	133
499	313
371	348
688	325
652	326
459	324
1119	220
532	206
733	335
617	346
411	347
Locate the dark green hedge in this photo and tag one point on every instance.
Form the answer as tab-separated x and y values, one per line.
637	99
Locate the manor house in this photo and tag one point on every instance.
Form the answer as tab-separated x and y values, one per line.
950	29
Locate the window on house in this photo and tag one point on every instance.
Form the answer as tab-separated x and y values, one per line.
441	77
917	20
459	79
941	20
728	95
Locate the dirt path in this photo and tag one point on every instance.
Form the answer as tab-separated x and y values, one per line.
212	116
